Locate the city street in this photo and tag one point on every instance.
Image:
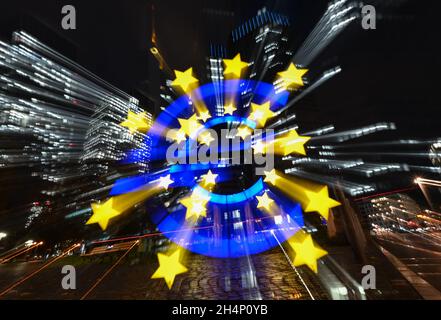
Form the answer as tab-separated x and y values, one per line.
264	276
248	150
420	252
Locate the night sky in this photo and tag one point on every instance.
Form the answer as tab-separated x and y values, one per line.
390	74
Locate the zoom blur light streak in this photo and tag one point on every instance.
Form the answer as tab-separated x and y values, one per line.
264	210
260	206
221	209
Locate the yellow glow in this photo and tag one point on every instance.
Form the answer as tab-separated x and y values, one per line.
261	113
306	251
319	201
136	122
312	196
264	202
117	205
164	182
169	267
102	213
271	176
185	80
291	143
292	77
209	178
178	135
190	125
243	132
206	138
204	116
234	67
229	109
196	206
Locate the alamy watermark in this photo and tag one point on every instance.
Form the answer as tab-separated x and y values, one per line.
369	281
227	149
69	20
368	17
69	281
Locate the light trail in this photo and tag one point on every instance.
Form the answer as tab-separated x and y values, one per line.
428	182
427	237
292	265
8	258
337	17
327	75
155	234
14	251
27	277
433	212
385	194
100	279
421	182
429	219
148	235
410	246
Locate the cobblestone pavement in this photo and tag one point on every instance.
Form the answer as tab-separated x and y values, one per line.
264	276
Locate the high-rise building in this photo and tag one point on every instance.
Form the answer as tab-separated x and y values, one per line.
396	212
263	42
60	124
215	74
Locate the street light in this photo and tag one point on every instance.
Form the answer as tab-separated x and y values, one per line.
2	235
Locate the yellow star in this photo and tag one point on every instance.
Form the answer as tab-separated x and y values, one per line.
243	132
190	125
271	176
292	143
169	267
293	76
229	109
306	252
165	182
204	116
209	178
261	113
185	80
136	122
197	210
102	213
234	66
179	136
206	138
195	206
119	204
264	201
320	202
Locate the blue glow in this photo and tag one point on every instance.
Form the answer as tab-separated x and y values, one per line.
233	237
234	226
181	108
230	119
248	194
125	185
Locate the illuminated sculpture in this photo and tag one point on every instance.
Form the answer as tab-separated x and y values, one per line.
201	220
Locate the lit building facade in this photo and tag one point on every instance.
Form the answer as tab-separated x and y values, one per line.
396	212
62	124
